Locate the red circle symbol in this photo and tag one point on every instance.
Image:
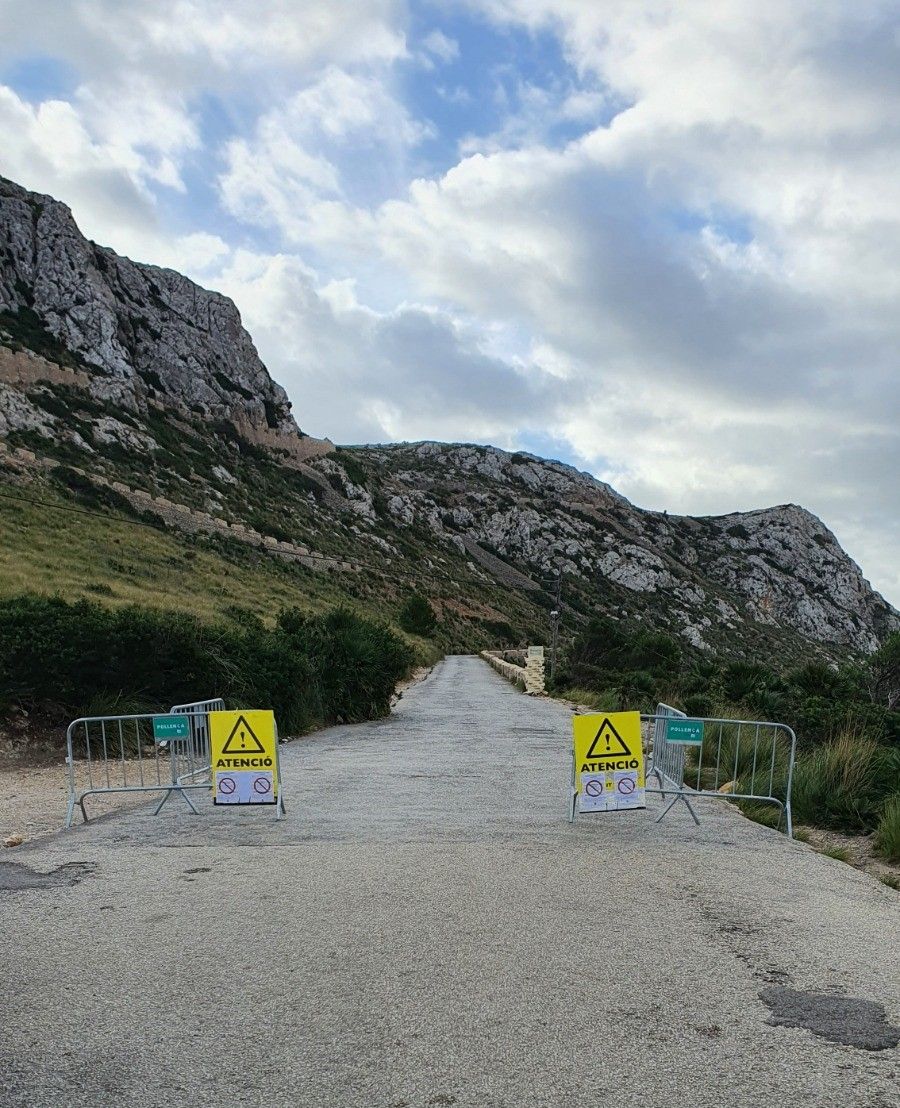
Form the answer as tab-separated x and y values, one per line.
626	785
594	788
227	785
262	784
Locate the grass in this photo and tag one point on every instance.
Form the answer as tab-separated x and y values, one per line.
887	834
56	552
889	880
599	701
732	753
839	853
842	783
78	556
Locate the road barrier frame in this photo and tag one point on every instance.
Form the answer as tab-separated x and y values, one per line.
666	761
186	757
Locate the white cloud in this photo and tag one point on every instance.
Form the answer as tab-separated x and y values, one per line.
357	374
698	293
440	46
294	157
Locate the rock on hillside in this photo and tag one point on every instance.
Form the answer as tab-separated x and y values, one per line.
709	579
143	333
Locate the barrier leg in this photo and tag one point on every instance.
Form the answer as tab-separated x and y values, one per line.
188	801
671	805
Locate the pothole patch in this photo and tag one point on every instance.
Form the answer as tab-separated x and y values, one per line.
15	877
839	1019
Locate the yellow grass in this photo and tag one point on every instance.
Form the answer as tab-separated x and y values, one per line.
55	552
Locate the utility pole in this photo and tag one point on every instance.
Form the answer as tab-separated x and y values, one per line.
554	625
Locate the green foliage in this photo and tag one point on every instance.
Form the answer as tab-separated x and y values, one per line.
887	834
351	466
839	853
752	762
67	658
847	718
417	616
611	653
844	783
501	631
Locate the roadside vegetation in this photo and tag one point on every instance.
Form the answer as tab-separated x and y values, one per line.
847	720
61	660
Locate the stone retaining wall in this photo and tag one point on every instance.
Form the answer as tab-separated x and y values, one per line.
529	678
181	517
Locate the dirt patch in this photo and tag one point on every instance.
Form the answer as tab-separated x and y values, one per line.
33	799
855	850
417	675
839	1019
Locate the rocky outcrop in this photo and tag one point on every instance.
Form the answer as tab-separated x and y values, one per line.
136	332
709	579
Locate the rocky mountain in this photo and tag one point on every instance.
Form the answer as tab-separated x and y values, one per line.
143	335
134	387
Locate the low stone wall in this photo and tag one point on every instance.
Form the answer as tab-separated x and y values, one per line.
181	517
529	678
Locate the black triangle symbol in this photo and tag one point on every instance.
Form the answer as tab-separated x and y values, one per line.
605	736
242	740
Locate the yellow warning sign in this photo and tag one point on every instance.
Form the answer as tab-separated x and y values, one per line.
243	757
609	761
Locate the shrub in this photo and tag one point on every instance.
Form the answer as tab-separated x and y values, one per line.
500	630
844	783
417	616
887	834
311	670
751	762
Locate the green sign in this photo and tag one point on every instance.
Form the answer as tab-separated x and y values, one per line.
687	731
171	727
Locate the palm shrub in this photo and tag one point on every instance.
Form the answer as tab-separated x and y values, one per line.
417	616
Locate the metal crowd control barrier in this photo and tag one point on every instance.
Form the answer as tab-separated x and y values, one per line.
738	759
119	754
197	753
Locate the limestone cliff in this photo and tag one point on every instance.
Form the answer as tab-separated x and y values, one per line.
144	334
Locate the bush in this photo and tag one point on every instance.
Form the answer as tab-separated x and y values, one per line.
417	616
311	670
844	783
501	631
887	835
749	761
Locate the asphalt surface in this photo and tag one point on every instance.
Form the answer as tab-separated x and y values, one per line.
426	928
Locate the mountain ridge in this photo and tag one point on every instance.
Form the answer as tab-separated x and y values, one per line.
138	381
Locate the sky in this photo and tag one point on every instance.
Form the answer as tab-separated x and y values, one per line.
656	239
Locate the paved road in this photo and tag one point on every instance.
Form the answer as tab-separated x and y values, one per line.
427	929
